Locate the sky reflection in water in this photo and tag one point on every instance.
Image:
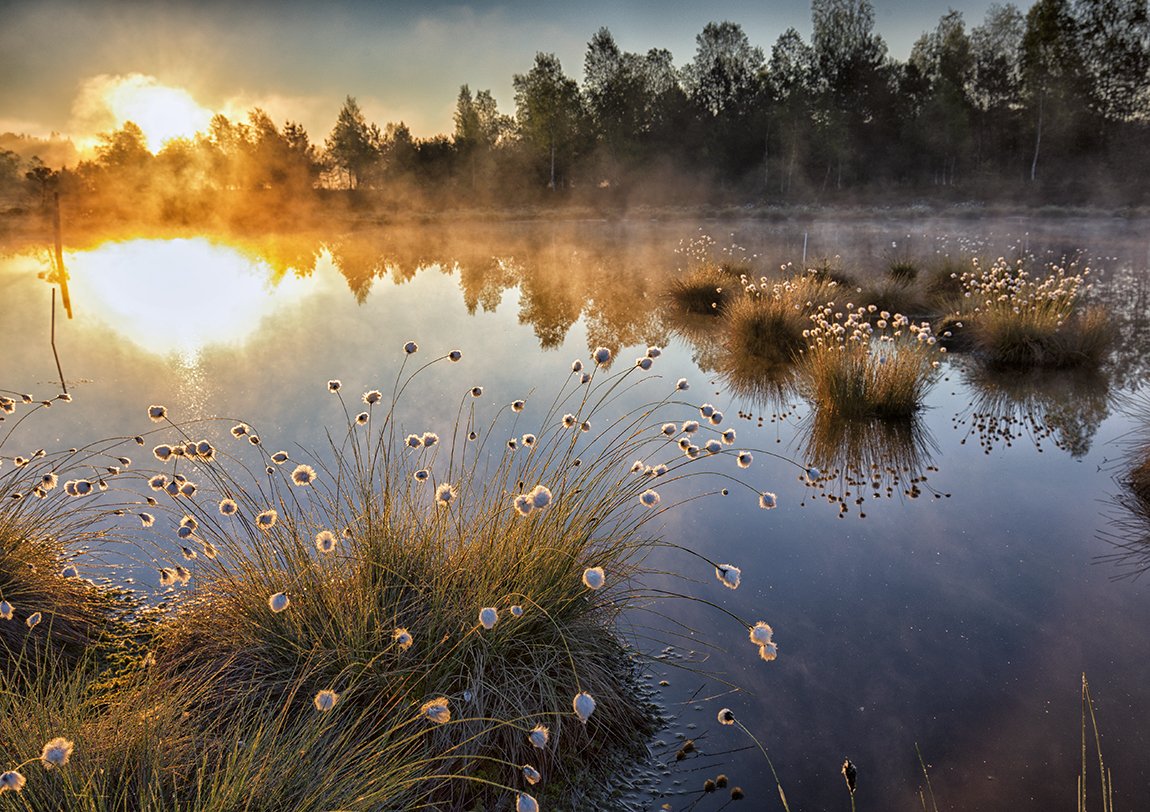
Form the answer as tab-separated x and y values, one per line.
962	624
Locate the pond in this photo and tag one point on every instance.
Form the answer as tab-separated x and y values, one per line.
955	619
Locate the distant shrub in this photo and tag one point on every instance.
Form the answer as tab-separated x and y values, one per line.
902	270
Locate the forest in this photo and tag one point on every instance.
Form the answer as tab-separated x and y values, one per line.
1050	106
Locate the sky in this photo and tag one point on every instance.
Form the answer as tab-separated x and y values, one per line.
78	67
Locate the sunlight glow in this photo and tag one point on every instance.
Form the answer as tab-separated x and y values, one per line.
179	295
162	112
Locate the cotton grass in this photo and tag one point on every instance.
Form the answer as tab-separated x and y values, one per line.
439	546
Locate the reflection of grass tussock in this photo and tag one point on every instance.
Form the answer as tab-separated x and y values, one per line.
1066	405
1139	479
867	458
1129	519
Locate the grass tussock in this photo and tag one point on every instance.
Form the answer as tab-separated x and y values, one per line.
1021	320
893	295
904	270
765	329
942	286
853	370
711	281
702	291
383	625
52	614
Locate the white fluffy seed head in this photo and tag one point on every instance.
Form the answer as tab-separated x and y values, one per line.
56	752
593	577
584	705
488	617
437	711
760	634
728	575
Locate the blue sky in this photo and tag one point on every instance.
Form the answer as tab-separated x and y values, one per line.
402	61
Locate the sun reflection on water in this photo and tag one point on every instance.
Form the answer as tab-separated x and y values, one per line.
180	295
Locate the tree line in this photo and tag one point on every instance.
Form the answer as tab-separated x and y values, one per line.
1050	105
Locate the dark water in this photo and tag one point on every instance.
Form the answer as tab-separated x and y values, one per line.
961	623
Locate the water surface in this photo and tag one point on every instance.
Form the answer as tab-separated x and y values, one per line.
961	622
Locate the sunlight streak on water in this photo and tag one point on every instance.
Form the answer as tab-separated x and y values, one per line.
193	390
173	295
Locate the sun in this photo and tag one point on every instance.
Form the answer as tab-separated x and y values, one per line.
162	112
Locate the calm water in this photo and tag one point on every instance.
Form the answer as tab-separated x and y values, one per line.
962	623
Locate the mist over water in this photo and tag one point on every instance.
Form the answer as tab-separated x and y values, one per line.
961	622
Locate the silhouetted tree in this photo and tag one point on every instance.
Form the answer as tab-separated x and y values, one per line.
849	62
549	113
996	86
479	127
724	83
1051	69
125	148
668	117
617	97
943	58
353	146
1115	53
40	176
792	76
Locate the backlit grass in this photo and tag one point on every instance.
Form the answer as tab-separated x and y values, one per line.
702	291
1021	319
852	370
396	622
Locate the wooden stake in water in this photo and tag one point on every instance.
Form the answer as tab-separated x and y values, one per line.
61	274
63	385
